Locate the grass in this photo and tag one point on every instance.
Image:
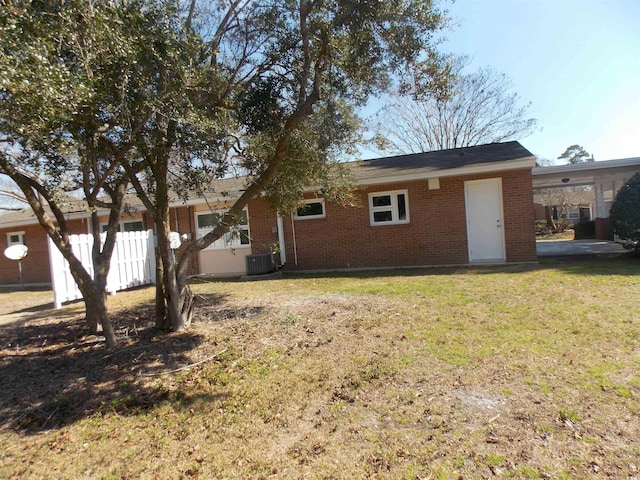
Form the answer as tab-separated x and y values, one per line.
513	371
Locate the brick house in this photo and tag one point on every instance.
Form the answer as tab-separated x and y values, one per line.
452	207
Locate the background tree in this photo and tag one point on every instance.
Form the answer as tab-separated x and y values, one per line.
561	199
576	154
625	212
544	162
10	197
477	108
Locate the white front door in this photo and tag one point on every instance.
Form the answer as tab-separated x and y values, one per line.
485	233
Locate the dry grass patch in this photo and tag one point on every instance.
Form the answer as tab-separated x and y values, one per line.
513	372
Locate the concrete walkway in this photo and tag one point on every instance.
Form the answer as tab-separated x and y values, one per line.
577	247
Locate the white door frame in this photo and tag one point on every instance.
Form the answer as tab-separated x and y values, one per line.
499	221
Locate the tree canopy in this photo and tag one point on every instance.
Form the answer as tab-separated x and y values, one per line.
69	100
475	108
576	154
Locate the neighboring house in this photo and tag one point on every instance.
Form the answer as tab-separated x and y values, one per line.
454	207
575	213
602	180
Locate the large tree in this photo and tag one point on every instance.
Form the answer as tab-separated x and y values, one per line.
476	108
287	75
71	106
175	93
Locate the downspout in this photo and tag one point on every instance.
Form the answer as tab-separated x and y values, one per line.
295	247
195	263
283	253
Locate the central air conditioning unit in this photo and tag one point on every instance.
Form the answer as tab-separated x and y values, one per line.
259	264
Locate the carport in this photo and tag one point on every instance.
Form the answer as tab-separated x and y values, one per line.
606	177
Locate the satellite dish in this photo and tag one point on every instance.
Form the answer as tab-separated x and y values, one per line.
16	252
174	240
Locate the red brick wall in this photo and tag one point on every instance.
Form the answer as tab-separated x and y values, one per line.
185	224
35	267
436	234
519	216
262	226
604	231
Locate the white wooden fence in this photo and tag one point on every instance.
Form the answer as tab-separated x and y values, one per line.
133	263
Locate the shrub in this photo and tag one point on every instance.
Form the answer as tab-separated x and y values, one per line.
585	230
624	216
542	227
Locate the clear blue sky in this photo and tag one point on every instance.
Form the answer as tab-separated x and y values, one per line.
576	61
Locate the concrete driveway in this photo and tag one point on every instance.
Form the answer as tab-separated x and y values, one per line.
577	247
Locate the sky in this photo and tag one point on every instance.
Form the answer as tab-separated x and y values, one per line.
576	61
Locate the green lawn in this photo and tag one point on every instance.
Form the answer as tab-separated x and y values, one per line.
527	371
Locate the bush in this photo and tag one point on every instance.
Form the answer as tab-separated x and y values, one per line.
624	216
585	230
542	228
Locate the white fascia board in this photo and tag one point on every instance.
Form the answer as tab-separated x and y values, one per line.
453	172
202	200
34	220
585	166
20	223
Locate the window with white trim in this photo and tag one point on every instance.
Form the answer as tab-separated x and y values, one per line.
237	237
311	208
126	226
389	208
15	238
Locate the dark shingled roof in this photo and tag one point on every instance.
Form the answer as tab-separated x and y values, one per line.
432	162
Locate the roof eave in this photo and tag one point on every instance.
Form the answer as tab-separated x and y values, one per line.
579	167
490	167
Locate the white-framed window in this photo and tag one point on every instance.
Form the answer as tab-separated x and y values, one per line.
238	237
126	226
310	208
389	208
15	238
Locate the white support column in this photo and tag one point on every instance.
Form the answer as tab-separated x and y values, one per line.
283	253
601	210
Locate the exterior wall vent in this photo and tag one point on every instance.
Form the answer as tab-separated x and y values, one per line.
259	264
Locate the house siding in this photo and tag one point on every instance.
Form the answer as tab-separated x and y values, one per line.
344	239
35	266
436	234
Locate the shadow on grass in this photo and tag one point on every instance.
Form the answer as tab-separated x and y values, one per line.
627	263
54	374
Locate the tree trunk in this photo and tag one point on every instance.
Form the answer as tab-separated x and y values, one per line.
188	303
169	278
96	307
161	310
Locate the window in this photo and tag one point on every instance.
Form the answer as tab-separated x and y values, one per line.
388	208
133	226
312	208
15	238
128	226
236	238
